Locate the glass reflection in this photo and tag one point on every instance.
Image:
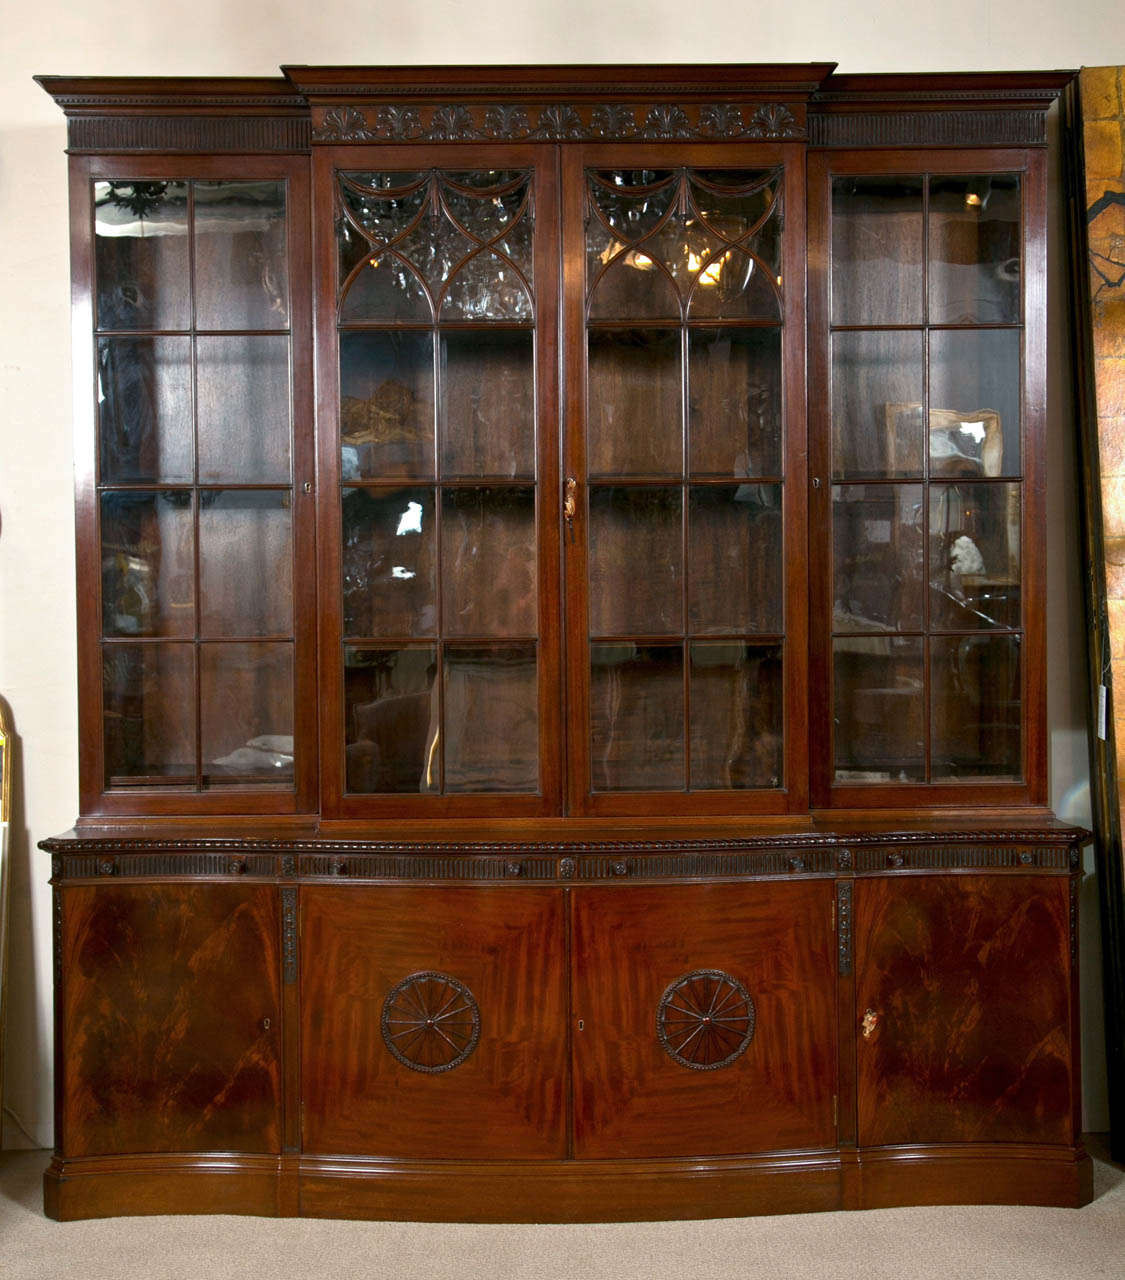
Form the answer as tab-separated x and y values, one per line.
877	552
141	255
144	410
389	562
877	258
391	705
974	556
241	260
491	718
148	564
879	709
975	249
148	737
976	706
637	717
246	714
737	714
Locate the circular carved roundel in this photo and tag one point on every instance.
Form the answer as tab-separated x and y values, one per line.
705	1020
431	1022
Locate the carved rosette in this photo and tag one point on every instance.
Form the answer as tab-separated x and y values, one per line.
431	1022
705	1020
556	122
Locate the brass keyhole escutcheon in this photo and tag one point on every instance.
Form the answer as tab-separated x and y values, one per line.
870	1022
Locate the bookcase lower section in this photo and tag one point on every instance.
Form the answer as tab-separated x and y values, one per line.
566	1191
568	1033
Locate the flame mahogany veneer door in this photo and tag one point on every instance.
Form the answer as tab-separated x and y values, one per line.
650	965
963	991
486	969
171	1005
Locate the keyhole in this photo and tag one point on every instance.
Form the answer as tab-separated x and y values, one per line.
265	1024
581	1024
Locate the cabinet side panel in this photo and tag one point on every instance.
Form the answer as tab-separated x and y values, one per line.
171	1015
962	986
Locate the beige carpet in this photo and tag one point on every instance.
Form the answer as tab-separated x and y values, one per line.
898	1244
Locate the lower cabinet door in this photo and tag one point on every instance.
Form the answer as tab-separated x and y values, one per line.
170	1016
963	1003
704	1019
433	1021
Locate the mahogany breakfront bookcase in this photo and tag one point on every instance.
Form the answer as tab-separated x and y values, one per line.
562	664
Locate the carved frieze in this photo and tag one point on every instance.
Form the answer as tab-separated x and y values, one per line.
556	122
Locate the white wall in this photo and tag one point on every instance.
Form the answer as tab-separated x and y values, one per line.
253	37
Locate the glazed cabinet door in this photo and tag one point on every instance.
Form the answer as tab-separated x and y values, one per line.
964	1005
704	1019
433	1022
928	342
194	484
170	1019
684	492
440	465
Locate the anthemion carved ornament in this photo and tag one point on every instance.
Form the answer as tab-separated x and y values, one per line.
500	122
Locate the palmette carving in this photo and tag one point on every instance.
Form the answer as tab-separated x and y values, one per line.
556	122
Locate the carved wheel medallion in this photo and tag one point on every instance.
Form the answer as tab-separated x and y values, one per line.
431	1022
705	1020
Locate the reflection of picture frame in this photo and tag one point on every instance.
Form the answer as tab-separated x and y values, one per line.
960	444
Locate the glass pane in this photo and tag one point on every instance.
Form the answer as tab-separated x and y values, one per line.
636	561
241	263
488	562
631	202
974	556
384	204
637	717
735	401
633	287
246	707
975	249
877	259
735	285
244	417
737	714
141	255
634	422
975	402
387	288
391	719
738	203
486	202
389	565
148	564
149	696
879	709
245	562
487	287
976	706
386	405
877	395
144	410
491	718
488	404
877	548
735	581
